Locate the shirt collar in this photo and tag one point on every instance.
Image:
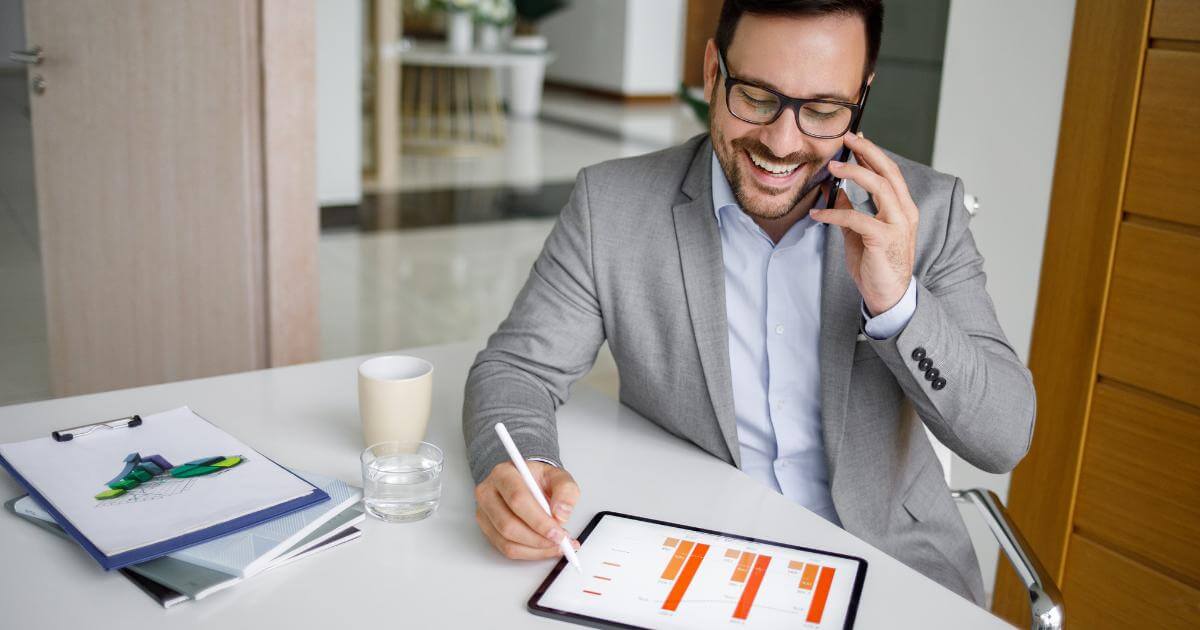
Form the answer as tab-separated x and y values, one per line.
722	192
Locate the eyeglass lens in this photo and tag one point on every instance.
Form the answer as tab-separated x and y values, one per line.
758	106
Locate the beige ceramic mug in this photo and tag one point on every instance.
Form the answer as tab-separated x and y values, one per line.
394	398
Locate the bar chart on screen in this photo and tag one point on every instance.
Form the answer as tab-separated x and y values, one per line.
636	573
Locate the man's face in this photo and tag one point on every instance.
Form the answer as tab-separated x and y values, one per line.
810	57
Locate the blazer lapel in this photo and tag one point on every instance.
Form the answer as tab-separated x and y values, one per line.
841	322
704	284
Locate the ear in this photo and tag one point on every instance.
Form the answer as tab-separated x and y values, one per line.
711	69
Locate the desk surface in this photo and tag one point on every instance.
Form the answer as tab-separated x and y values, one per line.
439	572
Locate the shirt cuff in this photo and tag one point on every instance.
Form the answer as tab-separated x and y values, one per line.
890	322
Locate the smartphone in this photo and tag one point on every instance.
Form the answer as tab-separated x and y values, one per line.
844	154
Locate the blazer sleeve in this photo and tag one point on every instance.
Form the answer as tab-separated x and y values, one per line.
985	411
548	341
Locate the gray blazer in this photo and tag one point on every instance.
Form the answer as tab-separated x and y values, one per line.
635	259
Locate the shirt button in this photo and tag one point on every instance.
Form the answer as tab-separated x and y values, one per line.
779	329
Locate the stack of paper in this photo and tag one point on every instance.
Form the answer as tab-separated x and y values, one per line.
199	571
180	507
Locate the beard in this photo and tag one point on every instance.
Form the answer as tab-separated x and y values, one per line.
781	203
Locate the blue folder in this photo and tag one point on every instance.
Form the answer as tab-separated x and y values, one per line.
164	547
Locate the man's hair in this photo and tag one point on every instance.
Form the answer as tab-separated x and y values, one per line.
871	12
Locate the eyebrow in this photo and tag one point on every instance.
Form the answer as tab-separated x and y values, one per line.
828	96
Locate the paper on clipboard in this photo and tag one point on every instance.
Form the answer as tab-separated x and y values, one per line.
68	475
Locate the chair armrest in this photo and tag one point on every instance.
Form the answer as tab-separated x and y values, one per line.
1045	602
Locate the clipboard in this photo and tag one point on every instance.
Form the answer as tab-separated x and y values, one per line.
168	521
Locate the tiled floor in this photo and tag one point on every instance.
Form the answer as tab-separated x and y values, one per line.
384	288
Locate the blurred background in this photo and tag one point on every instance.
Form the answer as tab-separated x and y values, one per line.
190	189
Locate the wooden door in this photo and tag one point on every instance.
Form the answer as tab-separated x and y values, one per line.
173	159
699	26
1109	495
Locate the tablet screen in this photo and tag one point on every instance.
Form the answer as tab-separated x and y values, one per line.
650	574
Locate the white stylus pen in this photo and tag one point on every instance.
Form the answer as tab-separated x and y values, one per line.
519	462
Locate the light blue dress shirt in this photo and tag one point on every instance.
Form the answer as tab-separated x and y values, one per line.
773	306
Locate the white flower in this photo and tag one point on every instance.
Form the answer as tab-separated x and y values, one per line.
497	12
460	5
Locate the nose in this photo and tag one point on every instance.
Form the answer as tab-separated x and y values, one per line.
783	137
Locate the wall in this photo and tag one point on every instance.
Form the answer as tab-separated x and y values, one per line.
653	47
12	32
902	109
339	102
631	47
997	128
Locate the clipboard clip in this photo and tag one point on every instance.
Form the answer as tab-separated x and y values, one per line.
66	435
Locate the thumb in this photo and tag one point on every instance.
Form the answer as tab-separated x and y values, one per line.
563	493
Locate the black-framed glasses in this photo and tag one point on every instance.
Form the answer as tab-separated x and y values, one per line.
758	105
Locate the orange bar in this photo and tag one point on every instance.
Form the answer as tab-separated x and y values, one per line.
817	607
590	592
676	560
795	565
731	553
810	574
756	576
743	565
670	542
611	564
685	578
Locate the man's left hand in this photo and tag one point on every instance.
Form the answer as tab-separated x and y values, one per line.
880	249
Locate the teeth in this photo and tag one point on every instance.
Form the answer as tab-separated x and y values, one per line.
772	167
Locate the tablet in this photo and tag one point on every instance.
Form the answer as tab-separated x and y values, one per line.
643	573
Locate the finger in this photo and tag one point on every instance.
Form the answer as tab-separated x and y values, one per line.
852	220
518	498
510	549
507	524
874	158
881	190
562	490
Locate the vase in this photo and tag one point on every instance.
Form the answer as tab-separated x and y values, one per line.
489	37
459	26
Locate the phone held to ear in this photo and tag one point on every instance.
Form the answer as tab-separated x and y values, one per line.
835	183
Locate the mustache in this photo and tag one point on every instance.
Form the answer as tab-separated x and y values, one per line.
755	147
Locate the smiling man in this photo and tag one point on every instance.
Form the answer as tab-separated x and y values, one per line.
790	341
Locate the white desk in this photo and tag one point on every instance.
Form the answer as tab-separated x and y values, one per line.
436	573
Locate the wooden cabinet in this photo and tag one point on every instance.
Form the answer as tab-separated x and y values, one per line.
1109	495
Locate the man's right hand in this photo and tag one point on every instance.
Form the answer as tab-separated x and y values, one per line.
512	519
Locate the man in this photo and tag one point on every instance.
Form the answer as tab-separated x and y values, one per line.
783	339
